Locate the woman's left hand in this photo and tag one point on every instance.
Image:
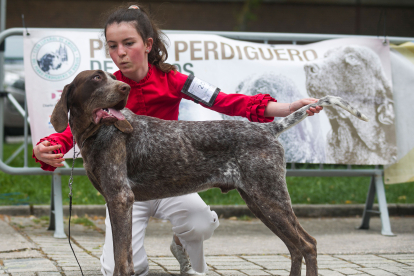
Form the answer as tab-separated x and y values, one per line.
302	102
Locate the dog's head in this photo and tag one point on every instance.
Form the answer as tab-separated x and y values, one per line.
50	61
355	73
94	96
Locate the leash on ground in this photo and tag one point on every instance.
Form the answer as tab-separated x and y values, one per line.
70	199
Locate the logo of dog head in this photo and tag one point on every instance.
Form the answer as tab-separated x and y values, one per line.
55	58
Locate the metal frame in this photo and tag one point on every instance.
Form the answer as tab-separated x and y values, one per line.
56	213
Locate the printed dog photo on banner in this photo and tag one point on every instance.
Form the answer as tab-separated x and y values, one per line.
355	69
356	74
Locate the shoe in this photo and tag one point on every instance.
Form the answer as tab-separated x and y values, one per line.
184	260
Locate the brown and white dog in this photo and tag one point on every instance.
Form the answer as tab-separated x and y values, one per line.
130	158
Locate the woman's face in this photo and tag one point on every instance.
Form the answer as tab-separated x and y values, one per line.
127	49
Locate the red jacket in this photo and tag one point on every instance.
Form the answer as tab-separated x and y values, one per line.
159	95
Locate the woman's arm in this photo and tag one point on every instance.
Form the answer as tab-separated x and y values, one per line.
275	109
257	108
49	151
44	153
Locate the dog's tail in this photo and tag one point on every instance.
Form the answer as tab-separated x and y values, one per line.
300	114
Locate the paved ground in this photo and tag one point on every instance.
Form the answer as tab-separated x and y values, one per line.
237	248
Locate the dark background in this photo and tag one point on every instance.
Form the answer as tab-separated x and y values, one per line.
362	17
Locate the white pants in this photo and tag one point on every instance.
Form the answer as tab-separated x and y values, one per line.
192	222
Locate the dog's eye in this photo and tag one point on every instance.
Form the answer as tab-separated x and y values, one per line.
97	77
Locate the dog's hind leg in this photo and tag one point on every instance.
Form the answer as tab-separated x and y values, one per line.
276	208
296	255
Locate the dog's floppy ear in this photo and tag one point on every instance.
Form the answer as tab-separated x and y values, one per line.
124	126
59	117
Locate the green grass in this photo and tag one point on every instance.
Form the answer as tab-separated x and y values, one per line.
35	189
83	220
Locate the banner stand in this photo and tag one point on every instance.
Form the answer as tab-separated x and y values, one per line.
377	188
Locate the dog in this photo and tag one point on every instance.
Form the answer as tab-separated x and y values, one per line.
50	61
129	157
355	73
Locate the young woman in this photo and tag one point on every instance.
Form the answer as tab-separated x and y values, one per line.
137	47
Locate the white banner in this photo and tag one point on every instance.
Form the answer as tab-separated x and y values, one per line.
402	62
356	69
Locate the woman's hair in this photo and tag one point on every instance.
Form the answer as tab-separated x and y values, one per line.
146	28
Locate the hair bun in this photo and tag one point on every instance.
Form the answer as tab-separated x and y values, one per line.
133	7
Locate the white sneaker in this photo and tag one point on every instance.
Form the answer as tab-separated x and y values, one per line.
182	257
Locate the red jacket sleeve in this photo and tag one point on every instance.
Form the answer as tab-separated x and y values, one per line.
65	139
250	107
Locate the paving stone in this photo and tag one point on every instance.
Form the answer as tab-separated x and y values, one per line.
82	262
223	259
85	272
238	266
326	257
398	256
278	272
86	268
12	240
277	265
29	265
21	254
332	262
348	271
274	258
398	271
326	272
235	263
23	274
339	266
212	273
254	272
91	241
230	273
377	272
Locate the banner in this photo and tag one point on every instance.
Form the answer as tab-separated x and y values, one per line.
402	64
357	70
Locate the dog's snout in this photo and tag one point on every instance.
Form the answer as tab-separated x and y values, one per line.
124	88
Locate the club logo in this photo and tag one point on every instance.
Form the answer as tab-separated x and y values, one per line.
55	58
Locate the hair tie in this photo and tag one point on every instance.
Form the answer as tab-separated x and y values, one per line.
133	7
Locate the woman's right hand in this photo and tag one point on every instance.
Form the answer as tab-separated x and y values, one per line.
44	152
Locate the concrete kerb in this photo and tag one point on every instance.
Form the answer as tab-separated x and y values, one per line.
223	211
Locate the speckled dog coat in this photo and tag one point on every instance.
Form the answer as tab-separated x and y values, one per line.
130	158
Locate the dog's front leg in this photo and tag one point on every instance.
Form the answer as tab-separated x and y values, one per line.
120	213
